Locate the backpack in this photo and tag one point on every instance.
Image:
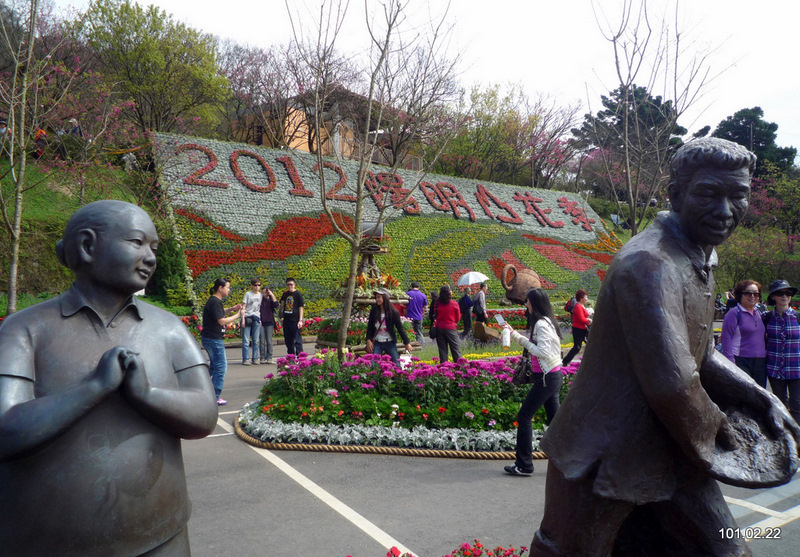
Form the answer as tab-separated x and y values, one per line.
570	305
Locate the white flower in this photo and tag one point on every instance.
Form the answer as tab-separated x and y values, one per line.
274	431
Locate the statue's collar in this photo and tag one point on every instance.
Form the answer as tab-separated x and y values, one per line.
672	226
72	301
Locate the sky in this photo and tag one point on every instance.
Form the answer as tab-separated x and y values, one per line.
555	48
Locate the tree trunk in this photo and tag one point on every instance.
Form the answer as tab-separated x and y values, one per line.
347	307
19	179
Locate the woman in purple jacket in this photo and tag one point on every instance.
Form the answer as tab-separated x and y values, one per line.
743	332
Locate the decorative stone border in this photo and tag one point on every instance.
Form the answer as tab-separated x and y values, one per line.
369	449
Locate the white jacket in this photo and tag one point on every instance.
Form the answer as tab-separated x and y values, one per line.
546	345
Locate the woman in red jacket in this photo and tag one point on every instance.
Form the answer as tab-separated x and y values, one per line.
580	325
448	315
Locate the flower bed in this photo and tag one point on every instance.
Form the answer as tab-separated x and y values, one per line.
514	317
474	549
328	330
469	405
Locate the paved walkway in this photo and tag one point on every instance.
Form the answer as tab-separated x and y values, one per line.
253	502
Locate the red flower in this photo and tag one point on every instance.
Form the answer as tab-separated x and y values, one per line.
442	409
563	257
293	236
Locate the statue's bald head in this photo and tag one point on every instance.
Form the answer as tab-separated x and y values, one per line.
97	216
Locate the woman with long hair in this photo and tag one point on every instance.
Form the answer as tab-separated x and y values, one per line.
214	323
448	315
544	346
383	321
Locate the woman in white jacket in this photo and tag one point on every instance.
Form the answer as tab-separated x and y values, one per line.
544	346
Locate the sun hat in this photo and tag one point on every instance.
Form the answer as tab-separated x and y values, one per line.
384	292
776	286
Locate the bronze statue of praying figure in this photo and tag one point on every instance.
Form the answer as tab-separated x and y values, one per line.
97	389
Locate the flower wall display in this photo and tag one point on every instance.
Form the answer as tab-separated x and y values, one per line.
243	211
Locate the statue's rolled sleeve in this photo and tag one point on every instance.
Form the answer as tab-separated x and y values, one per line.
17	358
184	350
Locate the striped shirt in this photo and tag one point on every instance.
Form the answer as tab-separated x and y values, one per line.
783	345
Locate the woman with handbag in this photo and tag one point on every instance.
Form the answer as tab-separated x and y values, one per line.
544	346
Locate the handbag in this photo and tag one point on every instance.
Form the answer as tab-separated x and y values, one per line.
434	332
523	371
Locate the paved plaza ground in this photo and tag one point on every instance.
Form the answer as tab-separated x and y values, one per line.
254	502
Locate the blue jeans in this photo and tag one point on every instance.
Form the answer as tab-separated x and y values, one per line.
388	347
250	335
219	363
416	325
265	342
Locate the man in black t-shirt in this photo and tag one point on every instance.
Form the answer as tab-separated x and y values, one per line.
291	311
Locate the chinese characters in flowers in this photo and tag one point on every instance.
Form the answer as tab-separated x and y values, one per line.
246	211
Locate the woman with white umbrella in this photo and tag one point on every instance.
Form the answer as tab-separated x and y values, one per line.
472	277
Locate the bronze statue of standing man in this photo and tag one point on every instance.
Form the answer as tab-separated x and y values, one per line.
97	389
653	416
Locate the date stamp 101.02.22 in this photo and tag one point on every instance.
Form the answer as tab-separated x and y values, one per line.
752	533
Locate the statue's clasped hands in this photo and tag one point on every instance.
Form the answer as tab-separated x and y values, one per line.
120	366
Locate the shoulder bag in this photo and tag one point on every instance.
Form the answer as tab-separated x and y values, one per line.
523	371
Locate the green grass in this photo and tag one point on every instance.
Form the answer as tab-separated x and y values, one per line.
52	195
23	300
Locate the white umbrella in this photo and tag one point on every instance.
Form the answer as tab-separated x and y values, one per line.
471	278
